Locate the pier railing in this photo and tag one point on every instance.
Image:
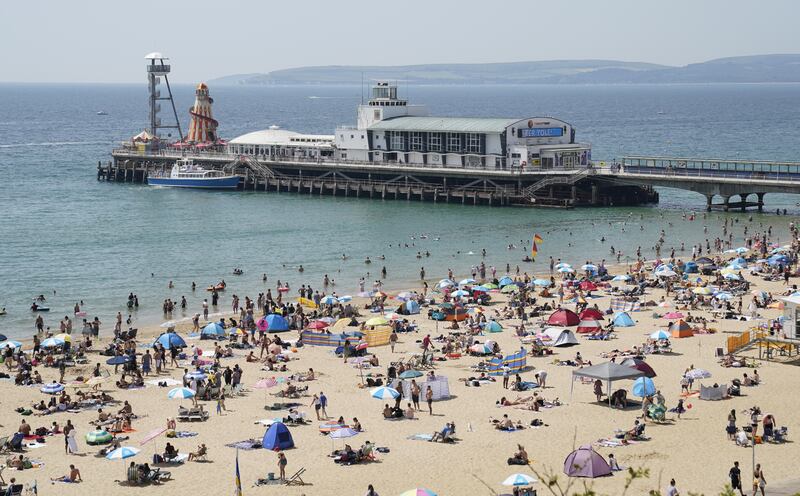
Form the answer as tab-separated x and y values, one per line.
226	156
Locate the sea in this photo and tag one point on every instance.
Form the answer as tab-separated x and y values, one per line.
73	239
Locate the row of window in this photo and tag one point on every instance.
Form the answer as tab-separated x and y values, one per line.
434	142
708	165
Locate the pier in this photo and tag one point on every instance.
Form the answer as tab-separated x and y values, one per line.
556	188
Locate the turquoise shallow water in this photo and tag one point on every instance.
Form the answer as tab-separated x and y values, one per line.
92	241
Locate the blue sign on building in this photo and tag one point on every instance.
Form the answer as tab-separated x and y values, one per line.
541	132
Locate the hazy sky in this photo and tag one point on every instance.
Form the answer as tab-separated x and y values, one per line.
105	40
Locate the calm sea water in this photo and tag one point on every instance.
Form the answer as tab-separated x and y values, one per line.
94	241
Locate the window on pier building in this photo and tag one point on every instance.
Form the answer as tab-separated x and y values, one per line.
398	141
473	143
453	142
434	142
416	141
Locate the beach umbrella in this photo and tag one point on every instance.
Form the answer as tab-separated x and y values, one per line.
10	344
666	273
511	288
343	433
735	266
445	283
379	294
705	290
394	316
704	261
171	340
660	334
639	365
99	436
196	374
345	298
493	326
168	324
52	343
480	288
724	296
491	285
3	337
464	282
505	281
118	360
588	286
731	277
545	283
623	277
266	383
328	300
180	393
317	325
238	331
122	453
643	386
64	337
277	323
460	293
52	388
385	393
213	329
589	267
673	315
566	270
418	492
406	295
561	265
665	304
520	480
698	374
742	250
411	374
377	321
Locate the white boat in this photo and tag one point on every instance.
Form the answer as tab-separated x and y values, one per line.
185	174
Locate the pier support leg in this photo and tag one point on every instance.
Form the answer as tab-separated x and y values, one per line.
595	194
744	196
760	201
709	202
726	203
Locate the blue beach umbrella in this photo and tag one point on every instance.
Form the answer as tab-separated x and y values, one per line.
445	283
214	330
3	337
118	360
660	334
589	267
10	344
345	298
731	277
623	277
562	265
545	283
276	323
411	374
643	386
328	300
343	433
122	453
171	340
385	393
180	393
460	293
196	374
520	480
505	281
464	282
724	296
52	343
52	388
566	269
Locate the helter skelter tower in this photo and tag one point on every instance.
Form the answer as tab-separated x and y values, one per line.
155	71
203	127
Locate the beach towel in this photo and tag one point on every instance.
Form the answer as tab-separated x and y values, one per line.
185	434
612	443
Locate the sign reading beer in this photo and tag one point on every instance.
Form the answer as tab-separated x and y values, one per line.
541	132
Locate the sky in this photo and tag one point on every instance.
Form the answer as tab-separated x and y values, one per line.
106	40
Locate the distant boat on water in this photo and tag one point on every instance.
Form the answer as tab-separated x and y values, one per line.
102	112
185	174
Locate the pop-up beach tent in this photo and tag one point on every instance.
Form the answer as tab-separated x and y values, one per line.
586	462
277	438
607	372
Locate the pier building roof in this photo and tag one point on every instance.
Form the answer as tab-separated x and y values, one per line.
444	124
281	137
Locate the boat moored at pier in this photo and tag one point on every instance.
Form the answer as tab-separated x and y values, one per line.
185	174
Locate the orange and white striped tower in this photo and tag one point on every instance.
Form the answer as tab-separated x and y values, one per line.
203	127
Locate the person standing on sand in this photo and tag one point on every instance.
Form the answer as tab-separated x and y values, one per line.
759	482
429	399
735	473
323	403
672	490
393	340
371	491
315	404
415	394
282	466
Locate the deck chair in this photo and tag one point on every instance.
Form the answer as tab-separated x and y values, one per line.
296	479
3	444
15	490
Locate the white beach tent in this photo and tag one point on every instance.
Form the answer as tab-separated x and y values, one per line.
560	336
607	372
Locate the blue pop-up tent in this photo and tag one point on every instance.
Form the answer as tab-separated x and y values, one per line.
412	307
623	319
505	281
277	438
213	331
276	323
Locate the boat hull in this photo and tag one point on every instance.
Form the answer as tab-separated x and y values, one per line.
228	182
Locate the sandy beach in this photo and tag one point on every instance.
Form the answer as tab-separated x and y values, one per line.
694	449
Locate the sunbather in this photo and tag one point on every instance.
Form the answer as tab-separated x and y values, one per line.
202	450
